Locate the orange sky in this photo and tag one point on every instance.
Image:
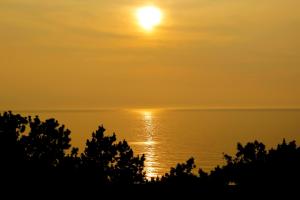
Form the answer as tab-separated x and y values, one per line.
92	53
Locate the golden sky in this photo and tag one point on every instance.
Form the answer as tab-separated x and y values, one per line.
205	53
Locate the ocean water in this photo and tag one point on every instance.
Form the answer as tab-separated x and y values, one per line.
171	136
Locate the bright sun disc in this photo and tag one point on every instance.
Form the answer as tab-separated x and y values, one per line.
149	17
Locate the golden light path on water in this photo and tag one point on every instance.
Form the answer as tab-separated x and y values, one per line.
147	141
151	161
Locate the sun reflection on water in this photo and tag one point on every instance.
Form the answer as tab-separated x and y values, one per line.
151	162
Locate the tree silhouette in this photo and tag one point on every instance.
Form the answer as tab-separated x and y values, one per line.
11	150
128	169
46	143
255	168
98	156
181	174
110	162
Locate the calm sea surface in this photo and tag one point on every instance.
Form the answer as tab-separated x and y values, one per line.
167	137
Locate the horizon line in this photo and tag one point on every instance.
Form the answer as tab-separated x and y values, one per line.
149	108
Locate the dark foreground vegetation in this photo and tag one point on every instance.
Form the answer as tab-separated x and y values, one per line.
37	156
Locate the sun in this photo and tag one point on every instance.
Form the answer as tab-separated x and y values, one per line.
149	17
